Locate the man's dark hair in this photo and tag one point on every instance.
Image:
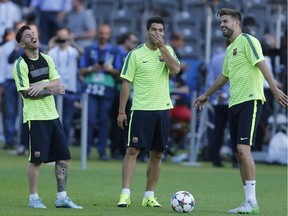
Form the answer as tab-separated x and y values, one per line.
20	32
123	37
154	20
230	12
175	36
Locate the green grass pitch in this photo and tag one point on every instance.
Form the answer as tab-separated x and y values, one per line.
98	187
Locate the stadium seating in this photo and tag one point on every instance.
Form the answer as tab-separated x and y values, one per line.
103	10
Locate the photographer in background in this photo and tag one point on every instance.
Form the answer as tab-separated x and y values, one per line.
66	54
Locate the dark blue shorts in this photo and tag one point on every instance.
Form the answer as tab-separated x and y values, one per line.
244	119
149	130
47	141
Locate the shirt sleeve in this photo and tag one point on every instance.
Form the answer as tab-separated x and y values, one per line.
172	52
20	74
253	50
129	67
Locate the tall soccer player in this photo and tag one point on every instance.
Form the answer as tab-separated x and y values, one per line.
147	67
37	80
245	68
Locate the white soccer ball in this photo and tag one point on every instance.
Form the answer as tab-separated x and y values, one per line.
182	201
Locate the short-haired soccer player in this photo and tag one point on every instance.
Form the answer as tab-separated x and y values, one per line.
147	67
245	68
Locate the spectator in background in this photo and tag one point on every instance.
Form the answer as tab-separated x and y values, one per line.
66	53
51	16
176	41
10	14
10	91
126	42
219	102
97	68
179	92
81	23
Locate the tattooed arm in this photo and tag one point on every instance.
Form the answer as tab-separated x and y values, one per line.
43	93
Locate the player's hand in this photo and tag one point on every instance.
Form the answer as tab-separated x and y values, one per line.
122	120
57	90
281	98
158	39
107	67
200	102
35	88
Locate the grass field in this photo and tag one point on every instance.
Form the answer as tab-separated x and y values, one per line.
98	187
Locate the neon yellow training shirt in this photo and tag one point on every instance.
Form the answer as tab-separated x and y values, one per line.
149	74
240	66
36	109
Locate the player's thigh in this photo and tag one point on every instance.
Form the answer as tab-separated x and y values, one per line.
59	149
161	134
39	141
141	129
249	119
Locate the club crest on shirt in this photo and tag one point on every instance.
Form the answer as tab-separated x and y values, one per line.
37	154
135	139
235	51
161	59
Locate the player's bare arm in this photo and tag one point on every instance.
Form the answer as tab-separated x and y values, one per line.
203	99
171	63
44	92
278	94
124	95
36	88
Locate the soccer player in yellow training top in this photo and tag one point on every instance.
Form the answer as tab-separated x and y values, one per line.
37	80
147	67
245	68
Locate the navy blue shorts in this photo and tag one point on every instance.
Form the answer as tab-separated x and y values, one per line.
244	119
47	141
149	130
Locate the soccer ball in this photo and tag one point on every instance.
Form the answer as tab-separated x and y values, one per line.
182	201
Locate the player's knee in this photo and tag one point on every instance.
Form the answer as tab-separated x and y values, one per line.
132	152
243	151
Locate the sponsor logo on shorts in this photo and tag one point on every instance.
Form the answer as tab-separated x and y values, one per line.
135	139
243	138
37	154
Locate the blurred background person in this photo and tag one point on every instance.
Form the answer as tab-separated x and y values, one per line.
219	117
10	14
11	95
81	23
180	95
51	15
66	54
126	42
97	69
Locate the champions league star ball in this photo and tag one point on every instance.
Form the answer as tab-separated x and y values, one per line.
182	201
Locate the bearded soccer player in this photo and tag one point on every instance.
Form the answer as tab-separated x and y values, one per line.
38	81
245	68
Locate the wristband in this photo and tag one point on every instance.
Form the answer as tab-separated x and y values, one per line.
121	113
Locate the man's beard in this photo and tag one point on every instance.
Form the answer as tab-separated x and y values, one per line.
228	33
